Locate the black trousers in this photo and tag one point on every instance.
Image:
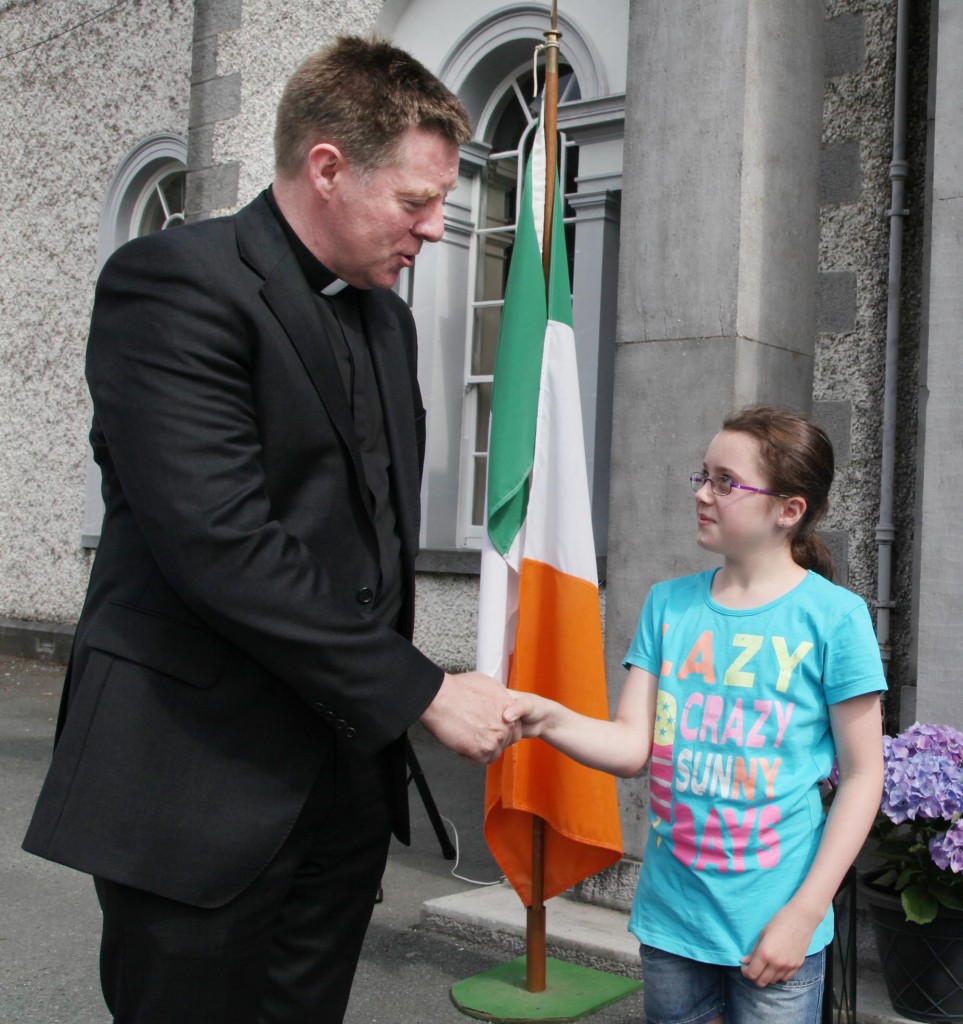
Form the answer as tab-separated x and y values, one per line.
285	950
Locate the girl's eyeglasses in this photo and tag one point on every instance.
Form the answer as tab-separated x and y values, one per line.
722	485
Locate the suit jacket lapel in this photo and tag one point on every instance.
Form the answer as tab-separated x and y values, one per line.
263	246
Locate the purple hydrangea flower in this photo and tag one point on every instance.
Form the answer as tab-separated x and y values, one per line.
947	849
918	738
923	783
919	828
923	774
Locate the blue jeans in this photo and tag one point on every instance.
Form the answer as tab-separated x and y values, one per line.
682	991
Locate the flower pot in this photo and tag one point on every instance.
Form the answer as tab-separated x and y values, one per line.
922	964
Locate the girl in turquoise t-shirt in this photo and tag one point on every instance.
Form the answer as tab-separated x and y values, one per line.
743	685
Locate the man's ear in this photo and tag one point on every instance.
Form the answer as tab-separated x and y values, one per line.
325	163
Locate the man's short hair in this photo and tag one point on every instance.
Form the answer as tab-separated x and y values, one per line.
362	95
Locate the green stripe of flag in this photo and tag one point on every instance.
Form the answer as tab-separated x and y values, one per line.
518	367
560	290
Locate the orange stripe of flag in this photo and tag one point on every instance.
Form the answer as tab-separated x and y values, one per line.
558	654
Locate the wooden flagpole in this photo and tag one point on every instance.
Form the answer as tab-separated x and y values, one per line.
498	994
550	127
536	956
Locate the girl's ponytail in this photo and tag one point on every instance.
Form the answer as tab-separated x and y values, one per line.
811	553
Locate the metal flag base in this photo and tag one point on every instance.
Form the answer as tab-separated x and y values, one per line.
571	993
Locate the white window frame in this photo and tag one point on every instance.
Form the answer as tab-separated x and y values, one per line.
480	67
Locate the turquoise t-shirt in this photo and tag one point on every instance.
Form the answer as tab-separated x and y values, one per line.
742	741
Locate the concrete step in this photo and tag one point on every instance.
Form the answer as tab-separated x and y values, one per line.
590	935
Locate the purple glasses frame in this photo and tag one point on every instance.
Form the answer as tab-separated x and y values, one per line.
717	483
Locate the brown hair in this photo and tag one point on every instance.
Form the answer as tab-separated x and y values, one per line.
797	457
362	96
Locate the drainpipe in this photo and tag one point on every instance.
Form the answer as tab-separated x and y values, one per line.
898	171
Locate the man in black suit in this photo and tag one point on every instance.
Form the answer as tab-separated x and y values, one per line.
230	755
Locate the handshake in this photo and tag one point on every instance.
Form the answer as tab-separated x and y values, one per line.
475	716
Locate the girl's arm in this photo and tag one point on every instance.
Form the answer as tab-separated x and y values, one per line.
857	729
620	747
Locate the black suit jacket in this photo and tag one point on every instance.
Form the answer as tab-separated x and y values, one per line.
228	643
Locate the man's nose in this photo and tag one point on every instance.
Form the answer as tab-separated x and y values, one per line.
431	227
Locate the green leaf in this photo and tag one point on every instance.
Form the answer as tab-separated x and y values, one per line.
886	880
919	904
948	896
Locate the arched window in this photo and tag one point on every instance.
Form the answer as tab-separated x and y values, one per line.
457	288
146	194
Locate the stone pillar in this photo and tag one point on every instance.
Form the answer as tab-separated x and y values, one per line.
215	98
718	270
596	206
938	582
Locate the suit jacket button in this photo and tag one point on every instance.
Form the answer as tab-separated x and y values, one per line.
350	733
340	724
365	595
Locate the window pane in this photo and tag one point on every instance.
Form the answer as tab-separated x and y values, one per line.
485	340
483	410
478	490
496	251
568	89
483	406
163	206
512	122
175	193
502	186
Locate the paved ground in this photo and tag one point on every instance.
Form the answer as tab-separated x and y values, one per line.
49	922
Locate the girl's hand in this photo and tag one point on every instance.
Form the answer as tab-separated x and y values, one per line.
857	732
620	747
530	711
781	947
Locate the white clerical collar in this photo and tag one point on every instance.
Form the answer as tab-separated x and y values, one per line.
336	286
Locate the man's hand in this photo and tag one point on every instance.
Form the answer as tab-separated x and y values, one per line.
468	716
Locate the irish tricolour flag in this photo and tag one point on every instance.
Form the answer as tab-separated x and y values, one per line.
539	618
